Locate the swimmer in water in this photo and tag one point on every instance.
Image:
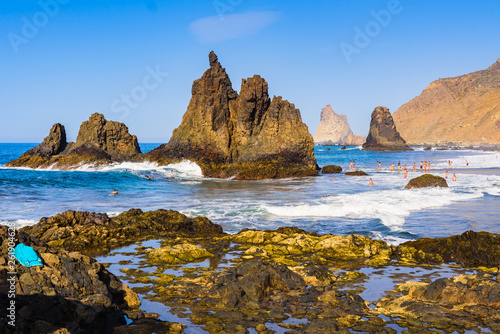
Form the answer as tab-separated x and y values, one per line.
370	183
454	177
114	192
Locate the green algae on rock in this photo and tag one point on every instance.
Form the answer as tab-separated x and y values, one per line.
471	249
289	244
461	302
94	232
182	253
246	136
427	180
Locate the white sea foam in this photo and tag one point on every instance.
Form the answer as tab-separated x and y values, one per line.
17	224
184	169
390	206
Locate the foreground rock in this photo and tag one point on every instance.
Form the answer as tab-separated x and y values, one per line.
331	169
471	249
99	142
427	180
469	302
72	293
383	135
463	110
96	232
245	136
333	129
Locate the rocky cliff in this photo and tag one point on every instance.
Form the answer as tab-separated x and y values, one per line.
383	135
99	142
334	129
459	110
246	135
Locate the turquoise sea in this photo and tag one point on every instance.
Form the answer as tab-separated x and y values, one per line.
345	205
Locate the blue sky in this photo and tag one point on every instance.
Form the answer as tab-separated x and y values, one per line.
135	61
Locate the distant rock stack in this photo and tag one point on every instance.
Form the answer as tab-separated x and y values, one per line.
383	135
99	142
245	136
334	129
463	110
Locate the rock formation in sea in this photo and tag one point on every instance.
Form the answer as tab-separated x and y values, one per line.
246	135
99	142
333	129
427	180
383	135
459	110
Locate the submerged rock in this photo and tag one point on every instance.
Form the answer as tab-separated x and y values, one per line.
427	180
383	135
246	136
99	142
356	173
330	169
471	249
94	232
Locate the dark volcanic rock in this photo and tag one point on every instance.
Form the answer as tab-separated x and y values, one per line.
470	249
109	136
427	180
99	142
252	282
71	291
96	232
53	144
356	173
246	136
330	169
383	135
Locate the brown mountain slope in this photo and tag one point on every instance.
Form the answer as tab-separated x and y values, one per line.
459	110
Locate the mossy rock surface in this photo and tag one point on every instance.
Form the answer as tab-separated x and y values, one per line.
178	254
427	180
471	249
331	169
356	173
90	232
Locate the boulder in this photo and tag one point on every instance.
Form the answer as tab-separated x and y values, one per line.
95	232
471	249
245	136
383	135
427	180
330	169
356	173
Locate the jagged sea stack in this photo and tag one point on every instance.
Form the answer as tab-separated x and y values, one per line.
383	135
99	142
333	129
245	136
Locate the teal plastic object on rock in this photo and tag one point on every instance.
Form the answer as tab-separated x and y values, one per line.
27	256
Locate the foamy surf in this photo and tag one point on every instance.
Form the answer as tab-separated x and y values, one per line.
17	224
392	207
184	169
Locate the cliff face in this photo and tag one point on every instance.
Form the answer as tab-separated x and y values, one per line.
334	129
459	110
99	141
383	135
246	135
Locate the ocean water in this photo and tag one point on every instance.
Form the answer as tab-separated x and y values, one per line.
346	205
